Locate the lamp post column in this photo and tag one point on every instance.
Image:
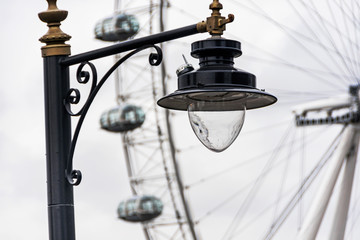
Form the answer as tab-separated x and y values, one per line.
57	126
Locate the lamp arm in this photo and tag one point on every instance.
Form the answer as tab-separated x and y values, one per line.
74	176
132	44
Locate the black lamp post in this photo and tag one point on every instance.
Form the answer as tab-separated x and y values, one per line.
216	81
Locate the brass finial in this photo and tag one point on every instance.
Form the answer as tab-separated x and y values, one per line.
54	38
215	24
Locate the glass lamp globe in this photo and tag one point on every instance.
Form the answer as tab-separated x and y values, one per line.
217	130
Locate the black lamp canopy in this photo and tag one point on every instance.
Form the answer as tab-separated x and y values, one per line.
217	80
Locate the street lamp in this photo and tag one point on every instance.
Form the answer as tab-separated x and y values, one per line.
216	87
216	95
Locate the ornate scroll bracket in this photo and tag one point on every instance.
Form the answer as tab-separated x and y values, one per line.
55	38
73	97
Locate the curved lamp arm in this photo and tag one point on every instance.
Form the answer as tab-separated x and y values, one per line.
74	176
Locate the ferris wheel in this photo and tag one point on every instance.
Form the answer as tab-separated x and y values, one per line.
264	187
298	157
158	201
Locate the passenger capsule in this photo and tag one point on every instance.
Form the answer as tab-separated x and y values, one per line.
140	209
122	119
119	27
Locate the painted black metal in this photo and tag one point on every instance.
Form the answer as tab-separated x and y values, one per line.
58	97
216	47
74	176
73	95
131	44
216	60
58	138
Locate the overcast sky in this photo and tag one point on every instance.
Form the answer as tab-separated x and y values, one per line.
23	211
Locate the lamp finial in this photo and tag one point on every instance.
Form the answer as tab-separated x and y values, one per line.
55	38
215	24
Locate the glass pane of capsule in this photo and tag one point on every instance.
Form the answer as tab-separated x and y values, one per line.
140	208
119	27
122	119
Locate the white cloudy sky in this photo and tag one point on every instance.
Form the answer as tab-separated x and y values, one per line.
22	143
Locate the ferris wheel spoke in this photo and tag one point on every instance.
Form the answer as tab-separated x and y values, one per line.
138	78
149	159
161	233
260	214
148	22
288	32
318	41
290	93
149	142
319	75
355	30
328	26
349	19
304	186
258	182
152	162
284	175
346	49
342	57
146	132
314	74
246	203
141	10
311	137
